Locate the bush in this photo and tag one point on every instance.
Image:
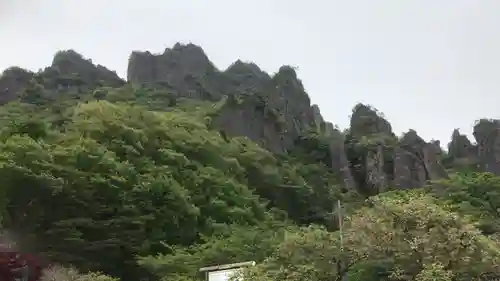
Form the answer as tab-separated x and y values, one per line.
59	273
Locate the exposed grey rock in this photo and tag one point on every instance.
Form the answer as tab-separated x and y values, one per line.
436	145
285	95
245	78
375	174
185	68
274	118
416	162
409	171
249	116
487	135
318	118
367	121
73	64
460	148
12	81
432	164
273	111
340	164
69	69
369	135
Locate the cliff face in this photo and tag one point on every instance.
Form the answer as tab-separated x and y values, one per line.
336	146
461	152
69	70
378	159
252	117
274	113
487	135
71	64
369	144
184	68
416	162
275	110
245	78
482	156
12	82
366	121
272	110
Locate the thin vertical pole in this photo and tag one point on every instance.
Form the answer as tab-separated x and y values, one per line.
339	214
341	225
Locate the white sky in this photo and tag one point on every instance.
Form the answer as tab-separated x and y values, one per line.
430	65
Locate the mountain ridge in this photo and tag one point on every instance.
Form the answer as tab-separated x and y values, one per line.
400	130
237	62
187	166
272	110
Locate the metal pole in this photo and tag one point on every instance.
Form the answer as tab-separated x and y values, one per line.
339	214
341	224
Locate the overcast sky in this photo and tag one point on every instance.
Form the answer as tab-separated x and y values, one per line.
430	65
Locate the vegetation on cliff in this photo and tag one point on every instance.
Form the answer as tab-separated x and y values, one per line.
114	180
140	182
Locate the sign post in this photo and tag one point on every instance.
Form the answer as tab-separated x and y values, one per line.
224	272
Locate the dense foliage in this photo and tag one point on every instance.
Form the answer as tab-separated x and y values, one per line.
133	182
108	182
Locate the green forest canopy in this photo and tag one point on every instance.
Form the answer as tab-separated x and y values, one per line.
134	184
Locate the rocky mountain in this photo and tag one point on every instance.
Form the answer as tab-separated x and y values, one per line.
273	111
68	71
185	166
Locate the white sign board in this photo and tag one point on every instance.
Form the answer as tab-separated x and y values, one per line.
222	275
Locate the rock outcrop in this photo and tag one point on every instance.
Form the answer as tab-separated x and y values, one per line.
379	160
12	81
285	95
184	68
275	111
487	135
252	117
336	146
366	121
482	156
416	162
376	177
272	110
461	152
69	70
369	144
245	78
409	172
71	64
274	116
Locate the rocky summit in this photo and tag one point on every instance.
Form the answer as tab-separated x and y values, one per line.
273	111
154	177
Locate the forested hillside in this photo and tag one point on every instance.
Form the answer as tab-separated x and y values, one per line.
185	166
